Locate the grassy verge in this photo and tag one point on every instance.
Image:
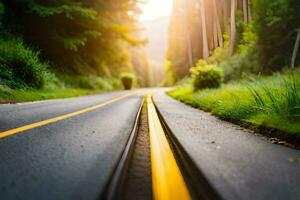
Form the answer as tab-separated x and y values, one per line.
270	105
13	96
63	86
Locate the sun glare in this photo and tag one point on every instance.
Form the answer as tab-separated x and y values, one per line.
154	9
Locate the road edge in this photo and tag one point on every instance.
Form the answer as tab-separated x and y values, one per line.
196	180
113	187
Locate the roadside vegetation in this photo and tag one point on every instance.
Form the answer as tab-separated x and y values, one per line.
8	95
270	103
245	69
56	49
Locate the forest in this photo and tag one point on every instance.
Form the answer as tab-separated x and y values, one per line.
235	58
256	36
87	44
239	60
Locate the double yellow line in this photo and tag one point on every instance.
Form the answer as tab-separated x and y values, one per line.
59	118
167	180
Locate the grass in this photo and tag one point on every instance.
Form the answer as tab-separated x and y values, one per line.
13	96
59	86
271	104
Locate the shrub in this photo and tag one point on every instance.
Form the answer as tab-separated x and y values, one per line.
115	83
206	76
244	61
219	55
236	66
127	80
20	66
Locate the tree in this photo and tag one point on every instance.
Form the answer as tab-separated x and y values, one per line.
245	10
76	36
232	26
277	23
217	25
204	30
249	10
187	37
295	52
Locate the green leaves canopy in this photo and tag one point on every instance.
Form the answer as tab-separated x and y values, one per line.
82	37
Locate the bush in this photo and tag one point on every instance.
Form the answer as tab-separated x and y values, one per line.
244	61
127	80
236	66
206	76
20	66
115	83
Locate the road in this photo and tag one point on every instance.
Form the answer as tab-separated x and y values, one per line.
76	144
70	159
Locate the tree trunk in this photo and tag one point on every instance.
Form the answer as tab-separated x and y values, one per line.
225	15
215	34
218	25
204	31
187	36
245	10
296	47
249	10
232	27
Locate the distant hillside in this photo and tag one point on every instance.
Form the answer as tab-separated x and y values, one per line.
157	33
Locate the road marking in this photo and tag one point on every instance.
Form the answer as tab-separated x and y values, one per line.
59	118
167	180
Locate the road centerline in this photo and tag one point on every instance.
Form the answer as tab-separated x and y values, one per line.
60	118
167	180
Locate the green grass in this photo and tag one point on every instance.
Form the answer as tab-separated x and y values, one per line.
12	96
61	86
271	103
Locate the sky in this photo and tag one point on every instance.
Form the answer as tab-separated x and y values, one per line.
154	9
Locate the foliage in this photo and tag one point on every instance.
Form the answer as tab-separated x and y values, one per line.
185	82
249	39
219	55
86	43
240	65
276	23
271	102
283	102
264	41
8	95
20	66
86	82
77	37
244	61
206	76
170	78
127	80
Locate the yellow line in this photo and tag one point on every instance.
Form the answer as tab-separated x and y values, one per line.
167	180
59	118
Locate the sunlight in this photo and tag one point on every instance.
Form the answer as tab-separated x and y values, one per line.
154	9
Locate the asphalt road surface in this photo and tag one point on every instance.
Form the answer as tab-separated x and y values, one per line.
74	158
69	159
